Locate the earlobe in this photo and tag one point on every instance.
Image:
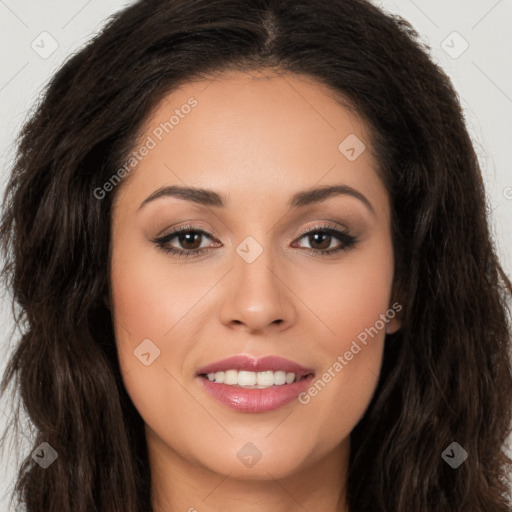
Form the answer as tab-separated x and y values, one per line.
393	325
395	310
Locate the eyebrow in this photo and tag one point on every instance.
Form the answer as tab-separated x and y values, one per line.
211	198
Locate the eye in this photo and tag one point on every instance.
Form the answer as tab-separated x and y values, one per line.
189	241
320	239
188	237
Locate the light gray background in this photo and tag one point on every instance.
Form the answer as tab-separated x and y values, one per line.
482	75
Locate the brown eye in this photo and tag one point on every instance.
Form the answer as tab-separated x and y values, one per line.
189	240
186	241
321	238
320	241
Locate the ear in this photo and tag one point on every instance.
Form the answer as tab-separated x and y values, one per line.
394	324
394	311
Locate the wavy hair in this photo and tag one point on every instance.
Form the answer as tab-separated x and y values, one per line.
446	373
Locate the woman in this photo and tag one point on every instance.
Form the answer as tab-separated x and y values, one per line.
183	348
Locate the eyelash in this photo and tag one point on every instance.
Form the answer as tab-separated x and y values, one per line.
344	237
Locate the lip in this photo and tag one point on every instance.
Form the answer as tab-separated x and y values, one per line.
255	400
250	364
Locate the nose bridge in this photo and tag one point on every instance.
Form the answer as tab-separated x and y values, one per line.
254	269
257	296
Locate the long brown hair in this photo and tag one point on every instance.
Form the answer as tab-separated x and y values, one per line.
446	373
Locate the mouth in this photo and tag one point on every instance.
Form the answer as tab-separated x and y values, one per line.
255	385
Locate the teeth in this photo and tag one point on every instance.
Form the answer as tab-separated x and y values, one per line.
253	380
231	377
246	378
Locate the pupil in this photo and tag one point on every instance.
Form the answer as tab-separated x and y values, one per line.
325	237
187	238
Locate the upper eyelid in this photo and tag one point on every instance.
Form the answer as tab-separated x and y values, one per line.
306	231
185	229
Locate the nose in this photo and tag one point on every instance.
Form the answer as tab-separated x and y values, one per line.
257	297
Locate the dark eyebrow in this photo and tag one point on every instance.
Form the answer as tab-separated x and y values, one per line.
320	194
196	195
211	198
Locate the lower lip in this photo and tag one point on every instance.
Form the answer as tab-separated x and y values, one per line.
256	400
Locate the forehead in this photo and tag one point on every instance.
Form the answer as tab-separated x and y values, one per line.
252	133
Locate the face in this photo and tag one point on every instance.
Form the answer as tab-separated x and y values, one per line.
263	267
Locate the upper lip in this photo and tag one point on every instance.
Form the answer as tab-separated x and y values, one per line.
250	364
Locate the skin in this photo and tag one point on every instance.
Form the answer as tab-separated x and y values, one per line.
257	140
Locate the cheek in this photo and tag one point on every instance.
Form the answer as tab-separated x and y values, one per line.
148	305
349	301
151	297
349	296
